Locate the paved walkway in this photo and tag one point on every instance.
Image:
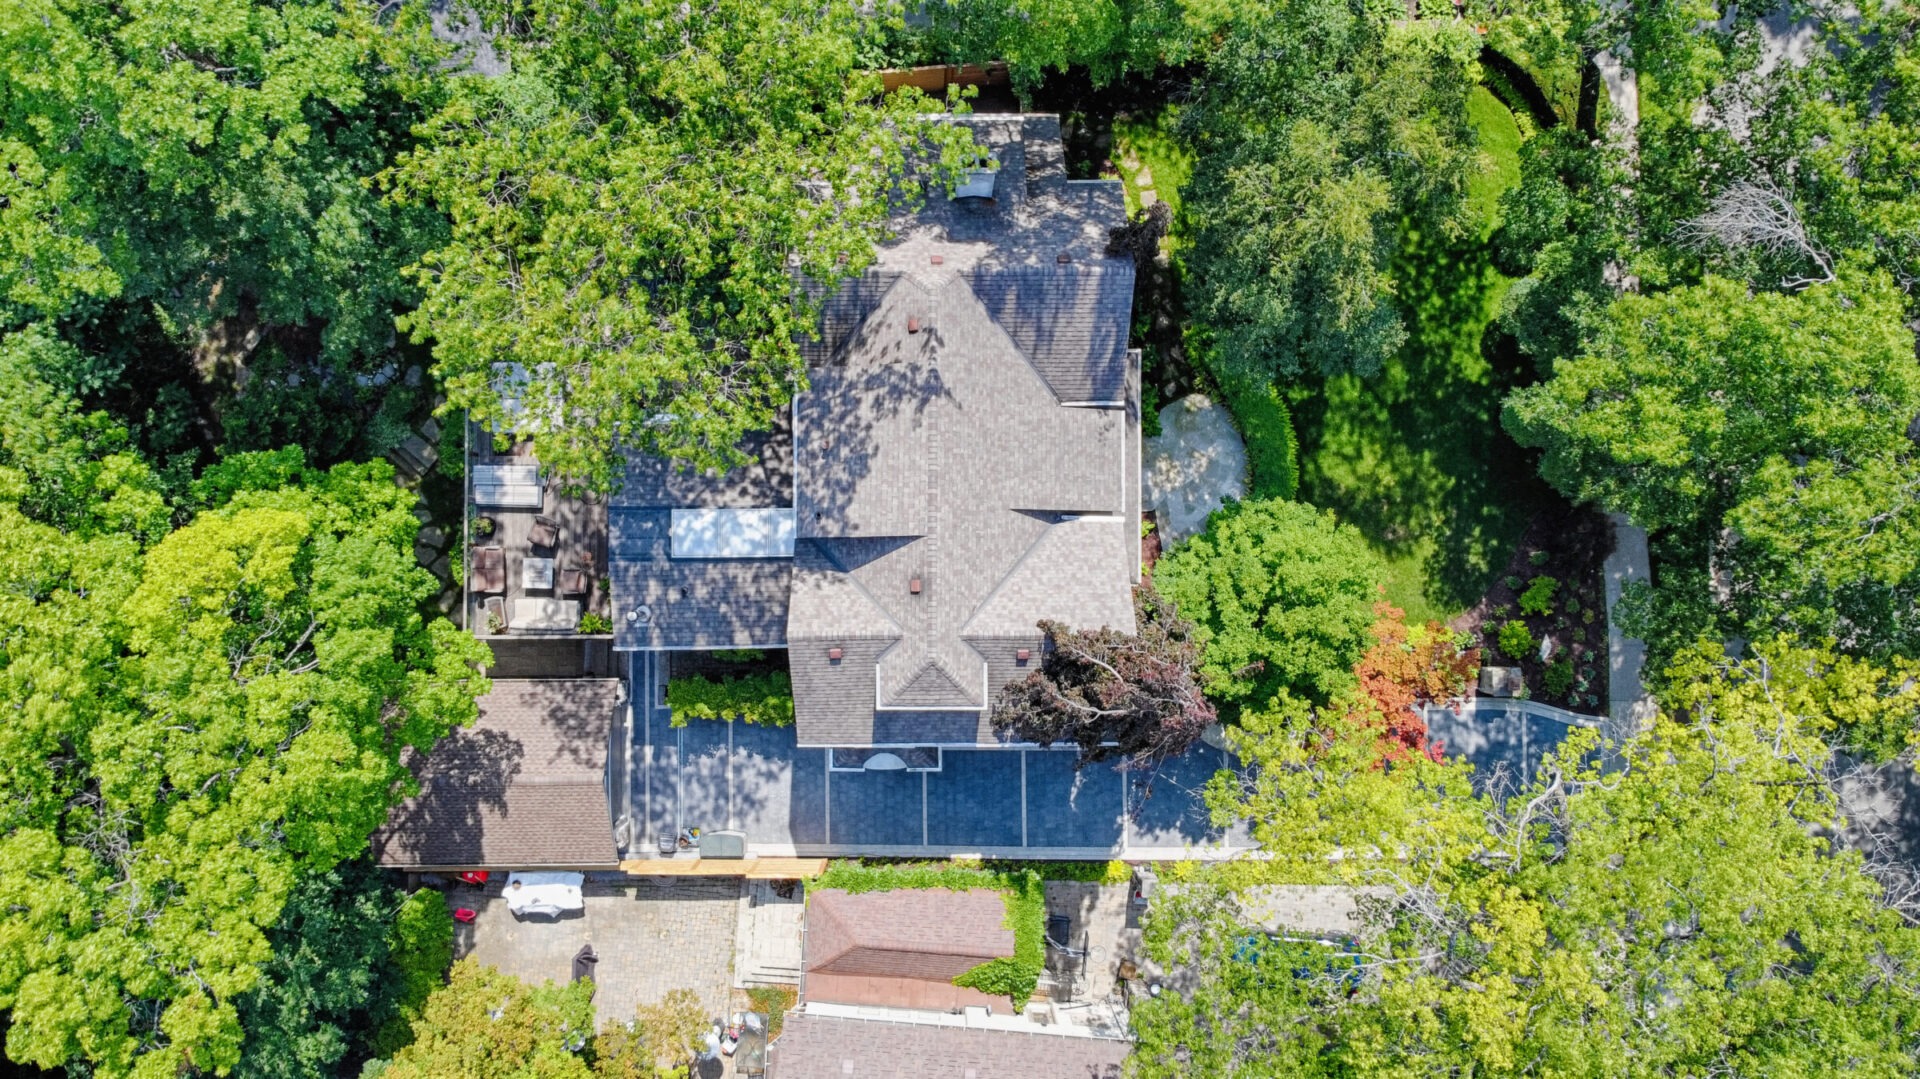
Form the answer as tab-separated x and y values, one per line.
1628	705
1196	462
651	937
767	950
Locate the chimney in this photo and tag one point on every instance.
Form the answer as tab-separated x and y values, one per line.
913	586
1063	258
937	259
913	323
1023	655
835	654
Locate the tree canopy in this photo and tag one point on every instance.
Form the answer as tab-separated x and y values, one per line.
1667	911
199	717
1325	130
630	208
1281	597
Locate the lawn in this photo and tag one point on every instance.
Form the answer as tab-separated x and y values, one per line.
1144	148
1416	457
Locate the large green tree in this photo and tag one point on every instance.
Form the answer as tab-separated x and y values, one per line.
487	1025
1281	597
632	208
1767	432
177	166
197	719
1325	131
1671	911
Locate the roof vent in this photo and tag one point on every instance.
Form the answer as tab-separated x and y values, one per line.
913	323
640	615
913	586
1023	655
835	654
1063	258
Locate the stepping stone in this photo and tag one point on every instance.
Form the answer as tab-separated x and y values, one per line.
432	537
1148	198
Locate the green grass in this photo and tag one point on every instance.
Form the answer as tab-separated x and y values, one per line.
1415	457
1151	140
1500	142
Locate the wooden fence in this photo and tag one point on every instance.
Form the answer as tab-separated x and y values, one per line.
935	79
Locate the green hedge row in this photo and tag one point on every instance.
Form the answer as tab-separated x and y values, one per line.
765	699
1273	455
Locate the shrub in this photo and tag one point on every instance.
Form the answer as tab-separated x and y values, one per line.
1516	640
1558	678
774	1001
764	699
1273	454
1281	596
1538	558
1512	582
420	946
739	655
595	623
1538	598
1573	604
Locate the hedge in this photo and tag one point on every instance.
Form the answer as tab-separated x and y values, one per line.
1273	454
765	699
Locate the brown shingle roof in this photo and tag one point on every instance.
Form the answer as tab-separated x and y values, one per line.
930	934
524	786
819	1047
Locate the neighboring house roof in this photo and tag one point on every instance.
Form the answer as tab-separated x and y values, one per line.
902	949
525	786
822	1047
962	465
930	934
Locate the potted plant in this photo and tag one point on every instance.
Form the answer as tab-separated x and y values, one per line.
482	527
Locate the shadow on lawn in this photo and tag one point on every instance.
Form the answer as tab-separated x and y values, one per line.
1416	457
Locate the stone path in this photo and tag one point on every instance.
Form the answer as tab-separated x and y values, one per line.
768	934
1196	462
1628	705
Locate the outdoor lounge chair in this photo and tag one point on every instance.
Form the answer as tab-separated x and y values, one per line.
546	532
490	569
573	582
494	611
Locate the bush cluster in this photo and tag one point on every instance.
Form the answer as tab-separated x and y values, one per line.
764	699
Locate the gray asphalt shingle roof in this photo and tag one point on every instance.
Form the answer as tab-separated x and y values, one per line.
524	786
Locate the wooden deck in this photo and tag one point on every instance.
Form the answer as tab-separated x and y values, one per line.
750	868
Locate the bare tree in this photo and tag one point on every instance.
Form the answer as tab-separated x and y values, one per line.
1758	216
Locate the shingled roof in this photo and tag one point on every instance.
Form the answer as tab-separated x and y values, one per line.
830	1047
962	466
524	787
929	934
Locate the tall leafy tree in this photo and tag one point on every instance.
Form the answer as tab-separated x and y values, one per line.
1674	912
194	163
1326	130
1281	596
632	210
489	1025
1770	433
198	718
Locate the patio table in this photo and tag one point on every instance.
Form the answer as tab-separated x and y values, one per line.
536	574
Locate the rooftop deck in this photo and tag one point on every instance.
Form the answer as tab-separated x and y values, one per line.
518	583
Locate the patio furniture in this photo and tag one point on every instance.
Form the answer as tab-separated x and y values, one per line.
465	915
490	569
475	877
669	844
514	487
573	582
493	614
545	533
536	613
544	893
536	574
584	961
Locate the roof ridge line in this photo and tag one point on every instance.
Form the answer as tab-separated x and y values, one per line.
1000	586
827	553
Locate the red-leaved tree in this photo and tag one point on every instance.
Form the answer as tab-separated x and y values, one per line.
1404	670
1135	696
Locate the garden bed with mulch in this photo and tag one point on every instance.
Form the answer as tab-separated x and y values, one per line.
1552	596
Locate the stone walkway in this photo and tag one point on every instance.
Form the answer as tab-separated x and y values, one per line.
1628	705
1196	462
767	939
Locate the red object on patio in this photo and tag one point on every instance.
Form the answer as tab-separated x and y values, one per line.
475	877
462	914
